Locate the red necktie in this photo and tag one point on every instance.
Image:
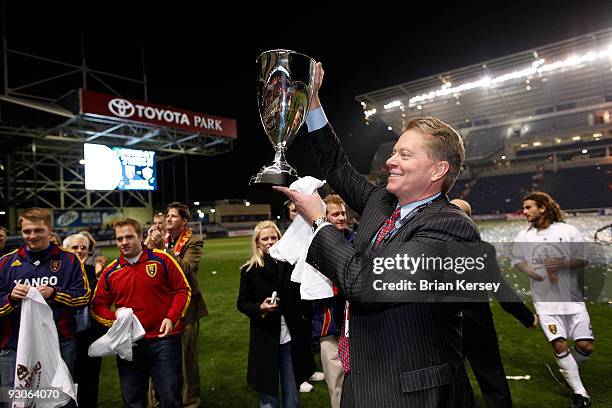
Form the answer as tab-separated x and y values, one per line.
344	351
388	226
343	344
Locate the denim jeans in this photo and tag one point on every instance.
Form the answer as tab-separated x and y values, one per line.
161	360
8	360
289	390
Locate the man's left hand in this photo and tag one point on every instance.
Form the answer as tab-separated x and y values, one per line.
310	207
165	328
45	291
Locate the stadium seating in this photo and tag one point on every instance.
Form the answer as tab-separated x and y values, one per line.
583	187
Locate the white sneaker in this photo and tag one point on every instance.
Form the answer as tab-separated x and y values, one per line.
317	376
306	387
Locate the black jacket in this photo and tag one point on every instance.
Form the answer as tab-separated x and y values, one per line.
256	285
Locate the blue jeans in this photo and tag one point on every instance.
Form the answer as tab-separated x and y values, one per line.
8	360
289	390
159	359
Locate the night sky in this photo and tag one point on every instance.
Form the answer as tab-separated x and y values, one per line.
202	58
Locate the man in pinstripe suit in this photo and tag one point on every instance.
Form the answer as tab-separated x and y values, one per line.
401	353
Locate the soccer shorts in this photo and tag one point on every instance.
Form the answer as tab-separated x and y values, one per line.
575	326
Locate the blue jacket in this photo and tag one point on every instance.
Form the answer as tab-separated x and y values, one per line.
56	268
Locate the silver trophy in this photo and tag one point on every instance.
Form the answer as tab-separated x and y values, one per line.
284	89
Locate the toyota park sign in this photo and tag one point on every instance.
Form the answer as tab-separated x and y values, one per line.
95	103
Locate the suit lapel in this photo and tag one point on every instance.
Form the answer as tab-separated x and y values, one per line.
372	219
406	230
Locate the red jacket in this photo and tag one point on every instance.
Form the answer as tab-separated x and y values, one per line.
154	287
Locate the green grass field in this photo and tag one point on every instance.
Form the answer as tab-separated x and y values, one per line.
224	338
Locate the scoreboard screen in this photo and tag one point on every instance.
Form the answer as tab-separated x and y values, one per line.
119	168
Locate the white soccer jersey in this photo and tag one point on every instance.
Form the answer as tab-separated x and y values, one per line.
561	241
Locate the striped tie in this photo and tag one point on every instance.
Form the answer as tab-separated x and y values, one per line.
344	353
388	226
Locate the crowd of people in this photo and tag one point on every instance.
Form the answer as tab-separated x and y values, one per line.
375	351
156	279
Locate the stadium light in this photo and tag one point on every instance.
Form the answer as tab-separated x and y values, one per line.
196	203
537	67
392	105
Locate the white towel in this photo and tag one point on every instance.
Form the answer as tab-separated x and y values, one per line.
293	248
39	365
125	331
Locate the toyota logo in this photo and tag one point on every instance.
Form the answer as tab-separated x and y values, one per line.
121	107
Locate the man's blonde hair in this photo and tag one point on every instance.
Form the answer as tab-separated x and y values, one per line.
37	214
334	199
444	144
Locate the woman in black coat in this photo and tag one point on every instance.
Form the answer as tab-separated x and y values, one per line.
279	344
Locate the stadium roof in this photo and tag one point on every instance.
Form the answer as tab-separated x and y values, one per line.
570	76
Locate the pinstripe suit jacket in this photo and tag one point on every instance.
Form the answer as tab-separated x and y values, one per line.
402	354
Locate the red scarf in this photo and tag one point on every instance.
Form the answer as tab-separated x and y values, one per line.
182	239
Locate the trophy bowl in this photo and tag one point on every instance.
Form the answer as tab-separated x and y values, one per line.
284	89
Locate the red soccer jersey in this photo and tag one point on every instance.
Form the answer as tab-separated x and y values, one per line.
154	287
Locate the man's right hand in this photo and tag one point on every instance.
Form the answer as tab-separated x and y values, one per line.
523	267
534	275
315	102
20	291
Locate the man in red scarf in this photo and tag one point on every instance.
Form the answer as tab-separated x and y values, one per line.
186	248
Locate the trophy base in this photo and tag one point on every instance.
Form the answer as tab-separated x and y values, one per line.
267	180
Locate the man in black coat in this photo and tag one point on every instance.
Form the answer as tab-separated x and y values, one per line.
480	343
402	352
